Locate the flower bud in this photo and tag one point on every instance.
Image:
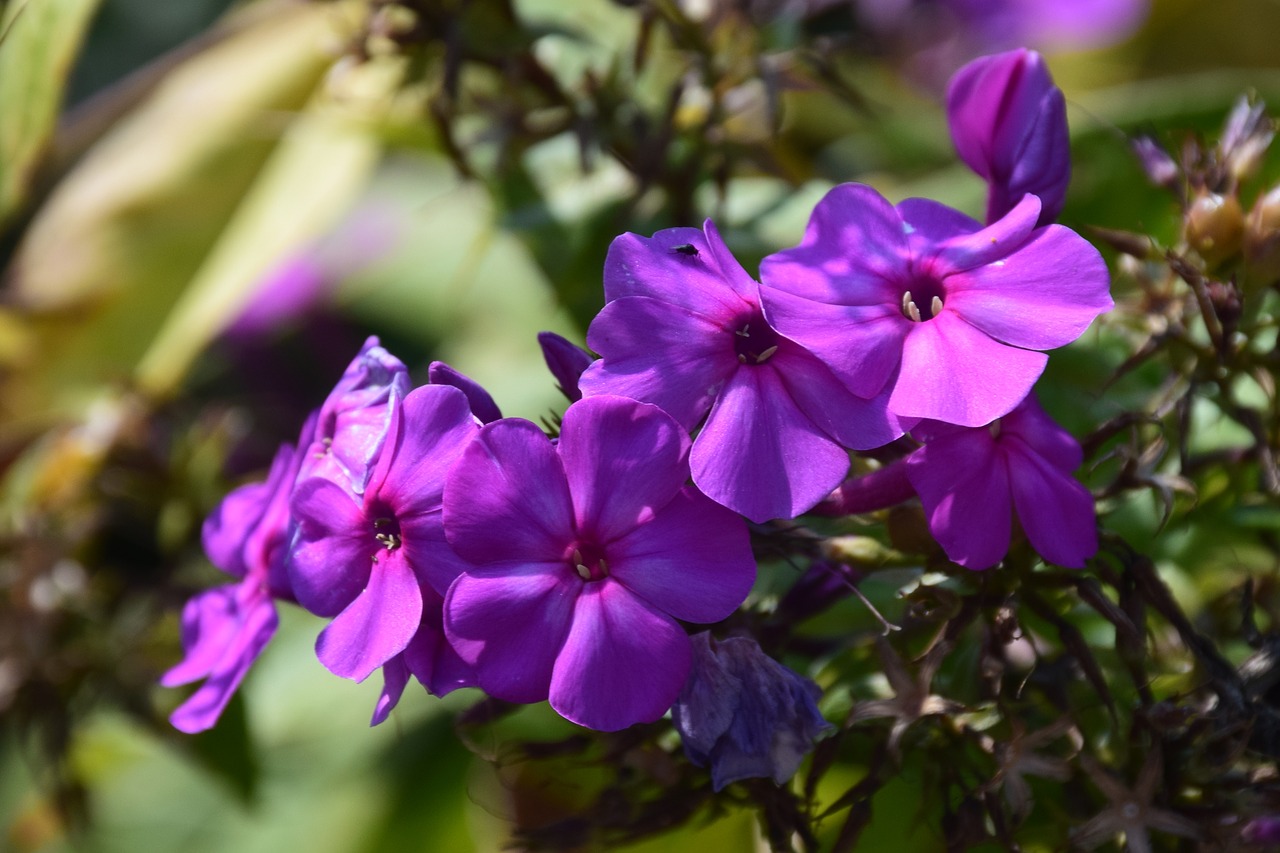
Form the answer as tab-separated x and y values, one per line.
1215	227
1262	241
565	361
1245	139
1160	168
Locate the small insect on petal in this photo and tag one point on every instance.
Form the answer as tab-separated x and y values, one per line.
687	249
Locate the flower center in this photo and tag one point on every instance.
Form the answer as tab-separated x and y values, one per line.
922	301
587	560
387	531
753	341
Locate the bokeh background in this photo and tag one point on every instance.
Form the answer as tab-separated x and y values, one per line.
233	196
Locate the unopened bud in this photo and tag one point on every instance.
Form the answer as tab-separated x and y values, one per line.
857	551
1262	241
1160	167
1215	227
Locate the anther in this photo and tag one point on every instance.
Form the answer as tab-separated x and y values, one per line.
742	359
909	307
935	307
764	356
577	556
583	572
744	332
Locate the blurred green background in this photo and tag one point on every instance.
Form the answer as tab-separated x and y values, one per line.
196	153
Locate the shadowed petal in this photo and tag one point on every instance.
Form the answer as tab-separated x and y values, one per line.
490	512
764	460
1042	297
606	441
430	657
692	561
425	547
680	266
509	622
1030	424
855	422
229	525
1055	510
992	244
953	372
963	484
377	625
623	662
329	562
210	621
395	675
660	353
427	433
480	400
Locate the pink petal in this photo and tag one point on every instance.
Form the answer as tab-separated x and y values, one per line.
685	267
991	245
1056	512
953	372
607	441
622	663
491	514
693	561
1030	424
210	622
509	623
1042	297
759	456
377	625
963	483
855	422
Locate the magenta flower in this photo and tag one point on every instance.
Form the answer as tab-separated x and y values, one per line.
971	480
225	629
354	417
583	554
1009	124
921	301
365	561
745	714
683	329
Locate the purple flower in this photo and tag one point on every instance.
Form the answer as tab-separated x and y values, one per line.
226	628
683	329
1262	830
1009	124
744	713
971	480
365	561
566	362
583	554
923	302
354	418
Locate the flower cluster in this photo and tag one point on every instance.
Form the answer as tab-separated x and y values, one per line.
449	543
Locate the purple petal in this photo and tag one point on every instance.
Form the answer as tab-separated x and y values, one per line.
428	552
229	525
395	675
622	663
264	549
861	344
932	222
953	372
991	245
624	461
507	497
257	625
681	266
481	401
660	353
1030	424
566	362
759	456
693	561
963	483
329	562
509	623
377	625
429	656
855	422
1042	297
210	621
425	436
854	252
1055	510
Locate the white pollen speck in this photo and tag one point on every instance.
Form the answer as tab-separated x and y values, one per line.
907	229
998	263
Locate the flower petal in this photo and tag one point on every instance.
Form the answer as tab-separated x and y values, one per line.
622	662
624	461
1044	296
963	483
693	561
226	528
992	244
426	435
210	622
507	498
395	675
955	373
1055	510
377	625
329	561
480	400
855	422
660	353
424	545
759	456
509	623
430	657
1030	424
684	267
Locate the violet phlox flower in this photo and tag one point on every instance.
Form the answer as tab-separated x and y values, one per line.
921	301
354	417
970	481
745	714
583	554
1009	124
225	629
366	560
683	328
